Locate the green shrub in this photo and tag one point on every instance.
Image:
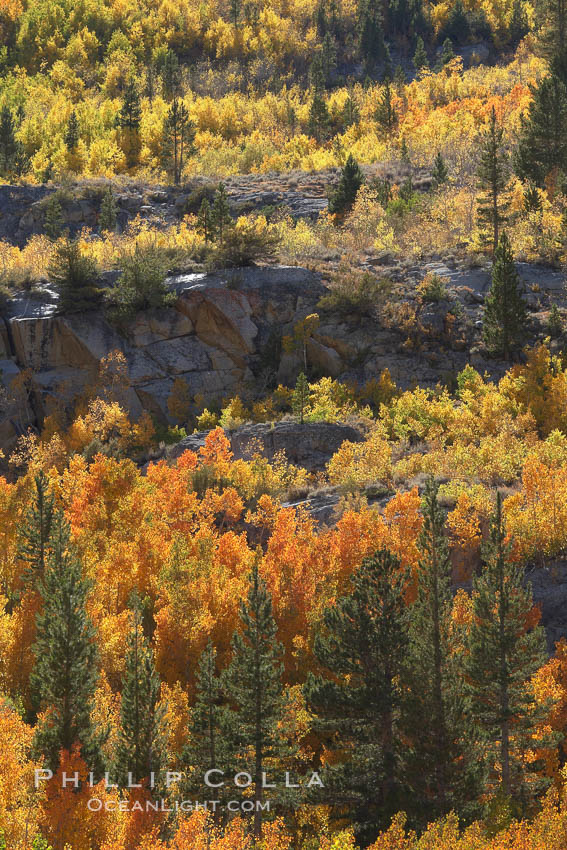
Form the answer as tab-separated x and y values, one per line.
432	288
206	192
141	285
247	242
354	294
74	276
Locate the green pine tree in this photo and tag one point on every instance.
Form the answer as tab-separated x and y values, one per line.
34	535
335	23
205	223
552	35
211	739
370	34
317	77
129	119
555	322
439	175
493	178
321	22
518	27
300	399
387	74
150	76
328	57
350	113
107	216
130	114
420	60
141	748
235	10
253	681
351	179
399	79
532	199
66	669
358	701
447	54
319	118
457	28
385	114
406	18
221	217
436	691
505	310
53	220
142	284
502	657
178	136
72	134
171	76
8	144
542	145
75	277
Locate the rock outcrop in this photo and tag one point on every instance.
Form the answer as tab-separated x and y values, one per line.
23	207
224	332
216	337
309	445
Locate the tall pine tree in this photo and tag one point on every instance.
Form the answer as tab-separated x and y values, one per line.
171	76
66	670
505	310
254	682
542	146
211	740
319	118
129	120
8	144
351	179
141	748
420	60
385	114
439	175
178	137
72	133
34	535
358	699
205	223
107	217
436	694
300	399
504	652
493	179
221	218
370	34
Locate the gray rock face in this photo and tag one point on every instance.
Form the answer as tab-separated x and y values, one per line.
223	337
213	337
309	445
23	207
549	586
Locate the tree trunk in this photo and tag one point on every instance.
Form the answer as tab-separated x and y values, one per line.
438	687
